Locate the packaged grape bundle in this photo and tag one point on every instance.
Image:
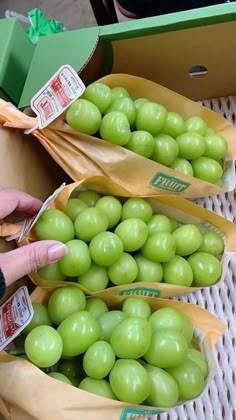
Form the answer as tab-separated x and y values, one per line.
140	134
119	357
119	244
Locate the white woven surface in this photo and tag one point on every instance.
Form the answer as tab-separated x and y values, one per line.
219	400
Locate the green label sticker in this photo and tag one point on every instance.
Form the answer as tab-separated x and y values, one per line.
141	291
134	413
168	183
206	227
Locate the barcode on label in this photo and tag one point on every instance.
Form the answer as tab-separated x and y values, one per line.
20	310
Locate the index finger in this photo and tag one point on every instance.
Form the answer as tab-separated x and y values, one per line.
11	200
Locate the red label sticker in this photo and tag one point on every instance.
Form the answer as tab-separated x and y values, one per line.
15	314
9	324
59	91
46	108
56	95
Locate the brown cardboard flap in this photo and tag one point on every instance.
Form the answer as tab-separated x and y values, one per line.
167	58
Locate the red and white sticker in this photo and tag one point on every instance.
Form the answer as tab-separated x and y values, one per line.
56	96
15	314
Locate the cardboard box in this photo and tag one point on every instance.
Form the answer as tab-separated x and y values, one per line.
16	51
146	47
173	45
162	49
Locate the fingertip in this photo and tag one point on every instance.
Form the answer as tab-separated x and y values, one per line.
56	252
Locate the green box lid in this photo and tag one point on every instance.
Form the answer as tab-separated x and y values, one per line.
16	51
53	51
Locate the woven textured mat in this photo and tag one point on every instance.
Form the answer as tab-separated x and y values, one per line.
219	399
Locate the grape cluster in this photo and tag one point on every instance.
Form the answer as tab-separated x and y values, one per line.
114	242
133	354
148	129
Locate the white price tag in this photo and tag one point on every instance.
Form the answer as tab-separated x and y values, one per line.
56	96
15	314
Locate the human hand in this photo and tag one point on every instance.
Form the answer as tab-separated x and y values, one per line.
19	262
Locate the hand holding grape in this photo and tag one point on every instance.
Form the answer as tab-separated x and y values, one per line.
17	263
141	247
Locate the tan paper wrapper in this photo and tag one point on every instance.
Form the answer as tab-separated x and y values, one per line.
175	207
28	394
81	155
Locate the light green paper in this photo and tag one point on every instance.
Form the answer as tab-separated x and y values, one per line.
41	26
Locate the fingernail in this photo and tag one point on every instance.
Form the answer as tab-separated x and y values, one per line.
56	252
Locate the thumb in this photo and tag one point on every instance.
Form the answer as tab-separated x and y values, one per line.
19	262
